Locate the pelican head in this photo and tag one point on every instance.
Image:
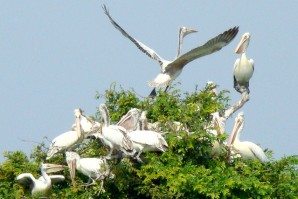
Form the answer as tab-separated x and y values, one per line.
185	31
243	44
71	160
78	112
238	127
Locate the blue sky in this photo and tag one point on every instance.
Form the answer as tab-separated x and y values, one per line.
55	55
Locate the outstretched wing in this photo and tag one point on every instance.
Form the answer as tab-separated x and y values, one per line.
26	180
145	49
211	46
130	120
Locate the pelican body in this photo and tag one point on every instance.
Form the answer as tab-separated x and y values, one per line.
170	70
243	67
43	184
68	139
94	168
247	150
113	135
88	126
144	140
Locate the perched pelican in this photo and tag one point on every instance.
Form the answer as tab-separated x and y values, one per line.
171	69
130	120
114	136
43	184
88	125
243	67
247	150
66	140
144	140
94	168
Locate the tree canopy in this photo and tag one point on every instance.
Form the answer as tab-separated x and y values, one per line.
188	169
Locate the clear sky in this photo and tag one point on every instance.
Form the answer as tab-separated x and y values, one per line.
55	55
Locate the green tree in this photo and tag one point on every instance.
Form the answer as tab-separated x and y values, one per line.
188	169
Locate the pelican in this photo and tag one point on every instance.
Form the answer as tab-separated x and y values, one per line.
247	150
146	140
170	70
43	184
130	120
66	140
114	136
88	125
94	168
243	67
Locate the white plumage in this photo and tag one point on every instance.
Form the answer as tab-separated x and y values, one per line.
94	168
115	136
171	69
66	140
43	184
247	150
243	67
147	141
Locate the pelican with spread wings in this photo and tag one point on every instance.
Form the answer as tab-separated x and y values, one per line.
170	70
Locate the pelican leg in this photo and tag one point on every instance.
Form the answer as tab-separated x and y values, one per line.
138	157
109	156
237	87
89	183
167	88
153	93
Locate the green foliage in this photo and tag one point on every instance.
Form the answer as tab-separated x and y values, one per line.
187	169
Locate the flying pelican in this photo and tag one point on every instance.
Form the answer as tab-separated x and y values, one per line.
170	70
247	150
66	140
114	135
94	168
243	67
130	120
43	184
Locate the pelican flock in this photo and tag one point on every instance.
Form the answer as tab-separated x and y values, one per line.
133	134
170	70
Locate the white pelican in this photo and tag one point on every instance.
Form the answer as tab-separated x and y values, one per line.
170	70
243	67
94	168
144	140
247	150
130	120
88	125
66	140
43	184
114	135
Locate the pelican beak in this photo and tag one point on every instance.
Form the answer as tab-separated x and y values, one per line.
189	31
52	168
72	169
234	131
243	44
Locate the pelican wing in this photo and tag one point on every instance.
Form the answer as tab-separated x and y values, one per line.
145	49
211	46
130	120
26	180
257	151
